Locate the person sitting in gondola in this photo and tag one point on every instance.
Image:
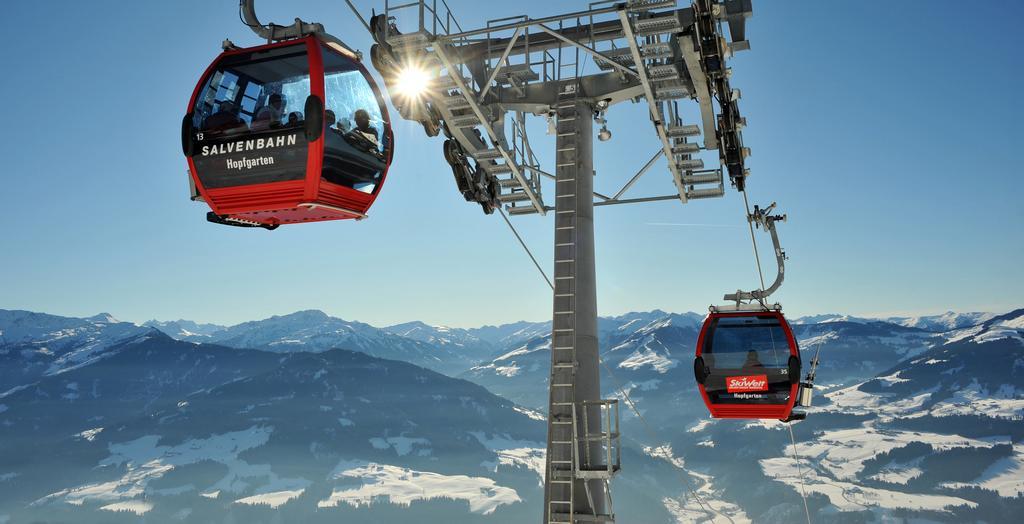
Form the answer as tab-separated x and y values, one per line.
363	127
271	114
364	136
753	362
225	120
294	119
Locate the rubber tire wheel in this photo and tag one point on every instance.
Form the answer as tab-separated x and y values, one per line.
451	152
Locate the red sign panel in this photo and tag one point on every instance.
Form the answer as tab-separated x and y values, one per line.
746	384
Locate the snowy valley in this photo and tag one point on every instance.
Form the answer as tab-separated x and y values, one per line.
306	417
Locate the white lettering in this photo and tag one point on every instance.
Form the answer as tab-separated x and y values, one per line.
249	163
250	145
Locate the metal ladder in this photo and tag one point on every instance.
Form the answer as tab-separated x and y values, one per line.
562	459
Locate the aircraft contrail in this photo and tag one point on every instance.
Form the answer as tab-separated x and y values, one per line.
688	225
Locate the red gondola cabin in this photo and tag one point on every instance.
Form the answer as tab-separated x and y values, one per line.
289	132
747	365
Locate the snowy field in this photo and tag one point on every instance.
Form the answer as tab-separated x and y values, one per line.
832	462
403	486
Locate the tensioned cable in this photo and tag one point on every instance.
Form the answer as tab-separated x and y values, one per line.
800	469
753	242
528	252
761	275
796	456
789	424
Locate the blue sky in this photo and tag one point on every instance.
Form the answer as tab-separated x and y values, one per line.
889	132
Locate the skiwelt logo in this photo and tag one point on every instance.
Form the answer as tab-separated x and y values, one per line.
746	383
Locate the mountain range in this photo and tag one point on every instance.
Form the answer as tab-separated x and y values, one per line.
306	417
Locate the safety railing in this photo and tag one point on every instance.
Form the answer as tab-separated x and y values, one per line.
607	462
443	19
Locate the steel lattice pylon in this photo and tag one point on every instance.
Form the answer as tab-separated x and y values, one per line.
645	50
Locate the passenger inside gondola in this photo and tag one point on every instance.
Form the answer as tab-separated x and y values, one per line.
364	137
362	119
354	153
271	114
225	120
752	363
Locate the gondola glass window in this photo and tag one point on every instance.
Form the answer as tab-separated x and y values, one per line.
748	343
355	148
247	120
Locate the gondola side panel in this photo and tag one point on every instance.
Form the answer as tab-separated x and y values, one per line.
315	152
241	164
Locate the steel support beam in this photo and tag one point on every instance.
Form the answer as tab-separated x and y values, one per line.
652	103
539	42
701	90
501	64
528	23
553	177
454	73
591	52
639	174
636	200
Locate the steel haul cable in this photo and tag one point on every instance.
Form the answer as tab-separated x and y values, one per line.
757	257
796	454
527	249
789	424
800	469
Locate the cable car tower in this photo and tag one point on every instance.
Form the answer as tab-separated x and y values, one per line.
478	86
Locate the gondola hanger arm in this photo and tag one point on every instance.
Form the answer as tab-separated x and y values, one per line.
763	219
272	32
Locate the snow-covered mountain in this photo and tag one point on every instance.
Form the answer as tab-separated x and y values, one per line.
170	429
944	322
862	428
975	371
645	348
505	335
933	323
936	437
315	331
185	328
826	318
909	423
33	345
460	341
